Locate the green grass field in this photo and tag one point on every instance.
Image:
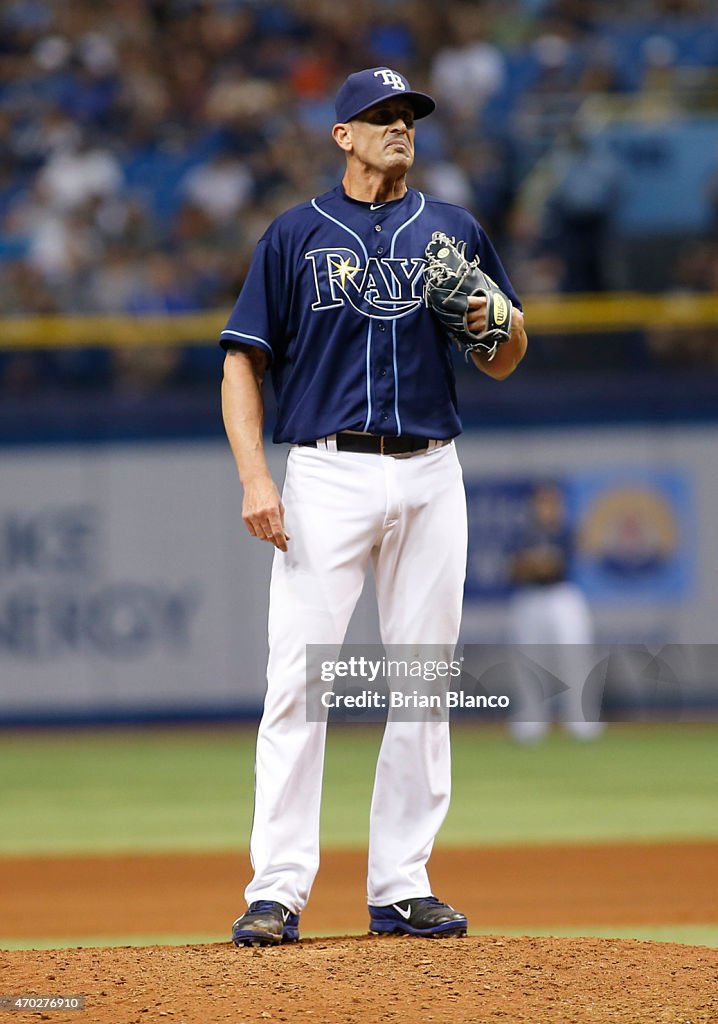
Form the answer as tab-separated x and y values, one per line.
691	935
191	789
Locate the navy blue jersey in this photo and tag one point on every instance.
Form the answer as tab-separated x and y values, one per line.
334	295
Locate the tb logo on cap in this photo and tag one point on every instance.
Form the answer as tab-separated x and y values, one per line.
391	79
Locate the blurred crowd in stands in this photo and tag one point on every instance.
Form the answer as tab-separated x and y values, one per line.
145	144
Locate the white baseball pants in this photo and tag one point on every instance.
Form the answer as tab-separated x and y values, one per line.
408	516
557	616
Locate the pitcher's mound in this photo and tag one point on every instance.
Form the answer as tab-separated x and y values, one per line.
368	980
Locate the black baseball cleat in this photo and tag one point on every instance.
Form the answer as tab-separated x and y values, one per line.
265	924
425	916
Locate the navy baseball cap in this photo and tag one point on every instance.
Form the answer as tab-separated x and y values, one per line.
365	88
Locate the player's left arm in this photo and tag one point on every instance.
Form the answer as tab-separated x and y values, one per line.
511	352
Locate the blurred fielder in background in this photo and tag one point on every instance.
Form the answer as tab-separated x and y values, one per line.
550	610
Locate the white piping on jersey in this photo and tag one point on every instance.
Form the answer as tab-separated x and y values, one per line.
398	231
249	337
396	378
406	223
369	332
401	227
368	375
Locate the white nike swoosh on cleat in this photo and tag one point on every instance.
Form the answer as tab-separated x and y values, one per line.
406	914
285	916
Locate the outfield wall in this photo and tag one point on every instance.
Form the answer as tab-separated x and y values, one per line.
129	588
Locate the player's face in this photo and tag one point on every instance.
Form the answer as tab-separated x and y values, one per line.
383	136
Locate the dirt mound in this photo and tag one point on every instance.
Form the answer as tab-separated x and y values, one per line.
366	980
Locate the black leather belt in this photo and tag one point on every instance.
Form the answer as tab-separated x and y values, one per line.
375	444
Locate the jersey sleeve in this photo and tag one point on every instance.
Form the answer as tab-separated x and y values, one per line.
258	315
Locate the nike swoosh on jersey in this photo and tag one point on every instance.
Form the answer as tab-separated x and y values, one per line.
406	914
377	206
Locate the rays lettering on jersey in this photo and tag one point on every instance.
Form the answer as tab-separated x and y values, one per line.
386	288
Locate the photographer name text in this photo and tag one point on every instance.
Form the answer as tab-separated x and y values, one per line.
375	699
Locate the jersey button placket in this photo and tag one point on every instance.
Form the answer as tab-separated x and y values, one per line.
383	383
383	386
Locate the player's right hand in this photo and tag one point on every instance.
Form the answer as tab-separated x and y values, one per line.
263	512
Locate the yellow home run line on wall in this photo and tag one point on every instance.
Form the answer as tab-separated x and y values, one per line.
545	314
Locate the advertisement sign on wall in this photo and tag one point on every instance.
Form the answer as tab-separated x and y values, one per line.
632	528
129	586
